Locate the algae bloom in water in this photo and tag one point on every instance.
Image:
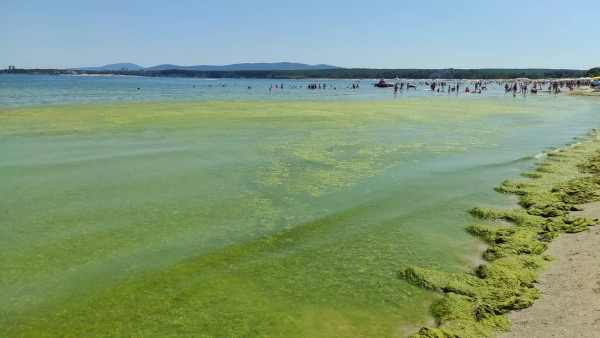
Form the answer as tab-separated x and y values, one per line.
473	304
250	218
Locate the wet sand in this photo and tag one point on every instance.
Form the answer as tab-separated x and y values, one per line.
570	287
585	91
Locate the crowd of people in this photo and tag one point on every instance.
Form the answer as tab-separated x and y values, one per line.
514	87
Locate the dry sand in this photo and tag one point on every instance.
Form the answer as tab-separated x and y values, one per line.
570	287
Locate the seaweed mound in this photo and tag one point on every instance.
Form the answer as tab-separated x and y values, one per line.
473	304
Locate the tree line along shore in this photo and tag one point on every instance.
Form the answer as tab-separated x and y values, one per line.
339	73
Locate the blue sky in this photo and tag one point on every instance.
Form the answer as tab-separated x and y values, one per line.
349	33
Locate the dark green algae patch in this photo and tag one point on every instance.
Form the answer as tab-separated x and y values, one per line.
474	303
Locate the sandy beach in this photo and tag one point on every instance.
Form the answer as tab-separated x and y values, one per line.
585	91
570	287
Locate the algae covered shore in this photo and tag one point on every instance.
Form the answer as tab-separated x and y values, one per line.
474	304
260	218
569	287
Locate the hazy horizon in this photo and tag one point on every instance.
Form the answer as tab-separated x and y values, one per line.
293	62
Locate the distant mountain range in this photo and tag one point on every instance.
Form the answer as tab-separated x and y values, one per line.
234	67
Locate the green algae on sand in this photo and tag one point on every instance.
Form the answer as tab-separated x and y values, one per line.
473	304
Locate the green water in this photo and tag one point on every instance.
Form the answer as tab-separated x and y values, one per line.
251	218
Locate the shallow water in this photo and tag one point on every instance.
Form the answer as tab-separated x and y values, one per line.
26	90
252	217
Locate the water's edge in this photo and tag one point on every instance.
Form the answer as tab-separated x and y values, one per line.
474	304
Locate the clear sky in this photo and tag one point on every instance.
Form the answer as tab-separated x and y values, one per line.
348	33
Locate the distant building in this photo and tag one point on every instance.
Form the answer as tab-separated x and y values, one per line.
11	68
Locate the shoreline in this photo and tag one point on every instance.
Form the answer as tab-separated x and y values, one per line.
586	92
505	288
570	288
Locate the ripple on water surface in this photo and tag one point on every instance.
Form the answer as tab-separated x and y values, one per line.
249	217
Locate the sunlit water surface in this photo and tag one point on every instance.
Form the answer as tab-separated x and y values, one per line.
228	217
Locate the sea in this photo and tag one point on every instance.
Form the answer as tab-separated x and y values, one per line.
147	206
